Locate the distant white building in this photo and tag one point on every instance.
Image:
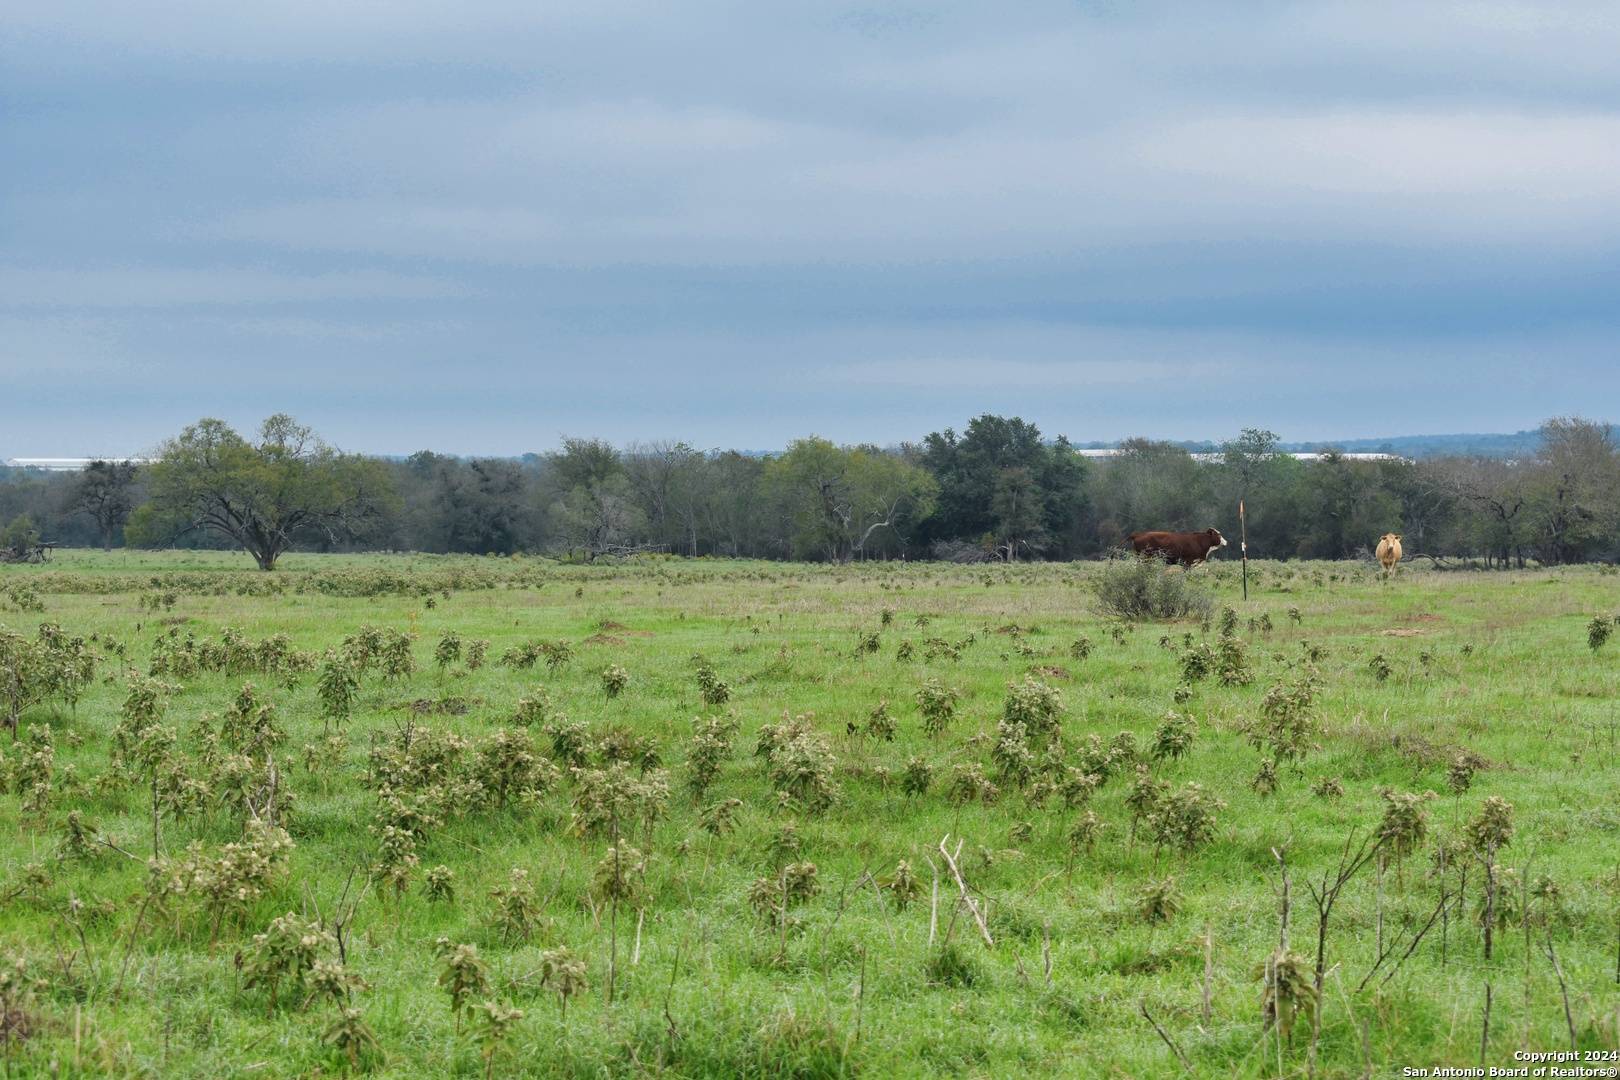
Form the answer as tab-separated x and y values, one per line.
64	464
1300	455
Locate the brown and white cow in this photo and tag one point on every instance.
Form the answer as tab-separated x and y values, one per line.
1389	550
1188	549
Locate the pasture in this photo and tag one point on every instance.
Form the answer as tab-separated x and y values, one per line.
690	817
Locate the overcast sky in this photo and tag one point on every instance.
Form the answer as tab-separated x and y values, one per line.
478	226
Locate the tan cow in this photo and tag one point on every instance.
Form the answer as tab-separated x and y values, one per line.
1389	551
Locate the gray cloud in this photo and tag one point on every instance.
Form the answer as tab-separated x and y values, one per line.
478	226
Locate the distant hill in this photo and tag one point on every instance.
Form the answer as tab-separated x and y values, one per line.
1497	445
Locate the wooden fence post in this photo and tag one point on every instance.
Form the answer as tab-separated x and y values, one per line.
1243	528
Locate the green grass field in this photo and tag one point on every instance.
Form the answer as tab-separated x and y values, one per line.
725	954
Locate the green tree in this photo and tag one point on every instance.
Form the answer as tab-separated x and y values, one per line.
978	475
1574	489
19	536
484	505
1151	485
105	490
835	499
595	510
1345	507
1019	522
264	496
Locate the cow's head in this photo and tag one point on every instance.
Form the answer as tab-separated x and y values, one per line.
1393	538
1215	538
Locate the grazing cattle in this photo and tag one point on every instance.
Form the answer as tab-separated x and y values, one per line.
1188	549
1389	550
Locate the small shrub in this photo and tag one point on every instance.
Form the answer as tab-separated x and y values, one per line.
867	642
1404	825
903	885
714	690
338	686
1085	831
1328	787
1158	901
938	705
880	722
440	885
1232	662
286	950
614	680
801	766
1035	705
1597	633
969	784
564	972
1460	774
915	778
711	746
719	818
448	650
1493	828
1197	663
1265	780
1139	589
1289	992
1173	738
1184	819
517	908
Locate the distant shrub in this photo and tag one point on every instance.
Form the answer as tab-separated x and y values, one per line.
1597	633
714	689
614	680
1197	663
938	705
1231	662
1184	819
1173	737
1034	704
1138	590
1328	787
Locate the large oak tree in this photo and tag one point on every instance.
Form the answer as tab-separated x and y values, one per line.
287	487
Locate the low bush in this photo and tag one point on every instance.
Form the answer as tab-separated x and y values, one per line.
1138	590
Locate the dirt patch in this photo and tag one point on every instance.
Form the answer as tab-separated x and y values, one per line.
603	639
1052	671
1402	631
609	624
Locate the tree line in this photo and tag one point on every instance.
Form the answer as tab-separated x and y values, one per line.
997	490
